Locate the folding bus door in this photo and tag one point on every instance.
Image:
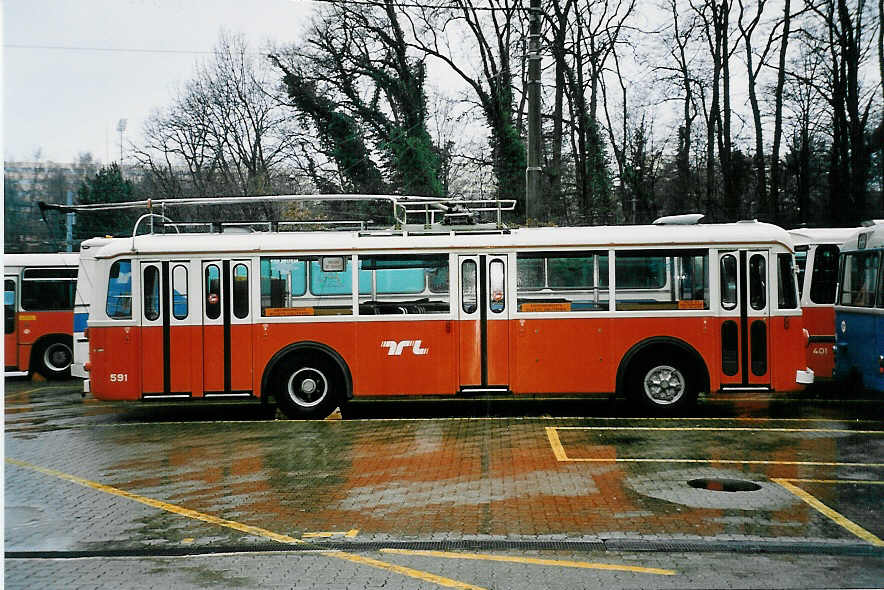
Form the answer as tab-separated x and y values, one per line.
744	323
227	319
167	332
10	305
483	323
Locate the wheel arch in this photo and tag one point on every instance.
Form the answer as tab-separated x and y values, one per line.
301	347
40	344
640	349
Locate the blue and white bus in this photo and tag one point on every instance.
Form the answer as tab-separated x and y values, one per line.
859	310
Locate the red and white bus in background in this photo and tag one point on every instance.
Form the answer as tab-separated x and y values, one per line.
38	300
310	319
816	255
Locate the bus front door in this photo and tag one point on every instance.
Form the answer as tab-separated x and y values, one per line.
10	305
227	318
483	314
166	332
745	311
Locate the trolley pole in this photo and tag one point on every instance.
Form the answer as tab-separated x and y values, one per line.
533	205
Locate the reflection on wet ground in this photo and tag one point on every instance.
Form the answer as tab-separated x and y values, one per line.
447	471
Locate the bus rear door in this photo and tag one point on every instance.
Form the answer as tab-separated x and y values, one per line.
10	305
483	324
227	317
745	311
166	336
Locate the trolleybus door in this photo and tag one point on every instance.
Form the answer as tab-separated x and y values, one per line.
166	337
10	307
483	323
745	307
227	315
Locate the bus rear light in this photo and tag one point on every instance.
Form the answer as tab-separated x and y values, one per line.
806	337
881	364
87	366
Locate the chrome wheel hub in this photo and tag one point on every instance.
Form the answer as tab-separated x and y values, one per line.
664	385
307	387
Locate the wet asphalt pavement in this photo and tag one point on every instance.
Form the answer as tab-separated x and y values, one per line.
748	491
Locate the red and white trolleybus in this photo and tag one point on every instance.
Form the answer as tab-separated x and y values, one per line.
816	255
38	298
310	319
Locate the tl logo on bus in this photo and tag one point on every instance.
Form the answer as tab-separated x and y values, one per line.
395	348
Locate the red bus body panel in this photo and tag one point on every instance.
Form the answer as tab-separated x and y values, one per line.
820	323
560	355
30	326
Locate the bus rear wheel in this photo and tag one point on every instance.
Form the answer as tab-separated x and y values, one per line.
53	358
663	385
307	388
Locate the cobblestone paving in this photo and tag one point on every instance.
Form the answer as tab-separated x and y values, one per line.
311	571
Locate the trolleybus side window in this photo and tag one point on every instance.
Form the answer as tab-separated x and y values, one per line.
801	263
497	284
757	282
179	292
562	281
666	280
859	279
468	277
728	274
410	283
151	288
240	291
119	291
824	281
285	282
881	290
786	282
213	292
9	304
48	289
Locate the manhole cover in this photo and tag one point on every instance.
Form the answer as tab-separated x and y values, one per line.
724	485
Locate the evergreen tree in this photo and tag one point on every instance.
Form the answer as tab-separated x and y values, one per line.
107	186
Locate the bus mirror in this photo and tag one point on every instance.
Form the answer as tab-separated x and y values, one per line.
332	264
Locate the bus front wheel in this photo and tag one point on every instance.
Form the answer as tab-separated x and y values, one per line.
307	388
663	385
53	358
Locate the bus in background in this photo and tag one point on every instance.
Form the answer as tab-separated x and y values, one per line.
816	256
311	319
38	300
859	310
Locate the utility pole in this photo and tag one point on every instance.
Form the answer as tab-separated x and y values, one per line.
121	127
533	204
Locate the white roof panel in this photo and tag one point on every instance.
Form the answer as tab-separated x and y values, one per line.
539	238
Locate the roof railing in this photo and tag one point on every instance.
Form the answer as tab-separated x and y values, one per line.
433	210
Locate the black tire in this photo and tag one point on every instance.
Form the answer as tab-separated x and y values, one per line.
662	384
307	386
52	358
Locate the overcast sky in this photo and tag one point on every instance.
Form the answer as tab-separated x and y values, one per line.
68	101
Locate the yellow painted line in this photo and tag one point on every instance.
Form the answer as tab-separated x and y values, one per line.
405	571
535	561
724	461
328	534
556	444
723	429
832	514
560	454
847	481
251	530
